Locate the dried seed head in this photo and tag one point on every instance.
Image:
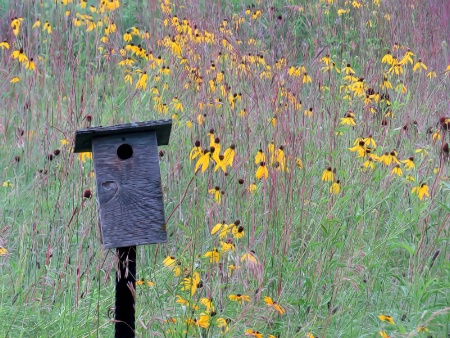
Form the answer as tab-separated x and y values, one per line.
50	157
445	148
241	181
56	152
87	193
162	153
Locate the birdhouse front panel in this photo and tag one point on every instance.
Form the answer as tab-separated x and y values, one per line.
129	190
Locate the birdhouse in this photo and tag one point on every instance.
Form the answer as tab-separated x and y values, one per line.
129	194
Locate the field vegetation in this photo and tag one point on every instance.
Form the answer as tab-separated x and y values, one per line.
306	181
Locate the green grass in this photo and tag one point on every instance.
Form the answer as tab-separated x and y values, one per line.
334	263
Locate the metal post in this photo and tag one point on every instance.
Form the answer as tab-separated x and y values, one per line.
125	293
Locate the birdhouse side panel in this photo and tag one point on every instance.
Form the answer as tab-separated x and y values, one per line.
130	199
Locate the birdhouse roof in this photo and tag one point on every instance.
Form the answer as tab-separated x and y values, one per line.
83	137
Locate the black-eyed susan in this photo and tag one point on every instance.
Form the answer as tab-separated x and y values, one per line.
419	66
383	334
173	264
249	257
229	155
203	161
422	329
270	303
328	175
421	190
239	298
30	65
253	333
142	82
262	171
213	255
228	245
252	188
260	156
208	303
216	193
19	55
186	303
222	324
47	27
369	164
335	187
4	45
222	228
237	229
397	171
348	119
387	58
409	163
192	283
386	318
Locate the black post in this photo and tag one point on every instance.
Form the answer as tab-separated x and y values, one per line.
125	292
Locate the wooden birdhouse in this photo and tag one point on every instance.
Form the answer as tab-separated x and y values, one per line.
129	195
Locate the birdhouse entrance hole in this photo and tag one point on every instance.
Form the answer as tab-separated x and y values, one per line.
124	151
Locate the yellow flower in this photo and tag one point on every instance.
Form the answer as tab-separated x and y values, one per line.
142	82
217	194
47	27
369	163
207	302
251	333
237	230
222	227
252	188
213	255
348	70
419	66
335	187
7	184
3	251
328	175
422	329
239	298
4	45
36	24
85	156
431	74
386	318
15	79
30	64
262	171
222	325
203	161
192	283
397	171
229	155
348	119
409	163
275	305
388	58
306	78
249	257
173	264
299	163
260	157
421	191
383	334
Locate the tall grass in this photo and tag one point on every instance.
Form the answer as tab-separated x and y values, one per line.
333	262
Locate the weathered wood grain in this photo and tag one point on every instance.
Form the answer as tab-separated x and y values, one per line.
84	137
129	192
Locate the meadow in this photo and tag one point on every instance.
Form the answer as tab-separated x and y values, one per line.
306	182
